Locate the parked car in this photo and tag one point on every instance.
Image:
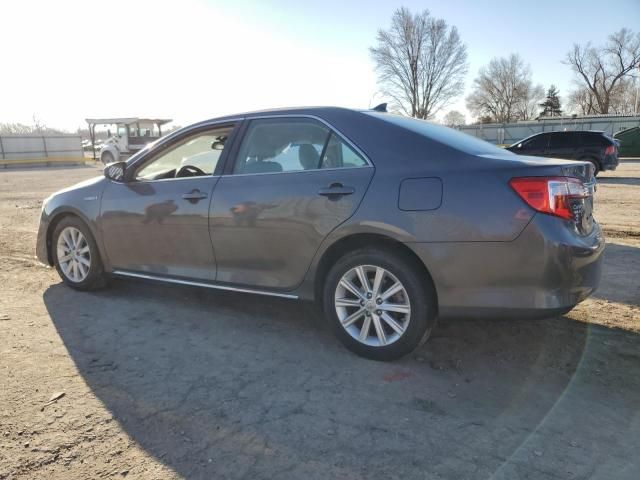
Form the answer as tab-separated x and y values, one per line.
591	146
387	222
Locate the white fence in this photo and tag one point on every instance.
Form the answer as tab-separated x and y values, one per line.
509	133
45	149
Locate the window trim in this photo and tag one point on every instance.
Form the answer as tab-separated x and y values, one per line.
232	158
170	140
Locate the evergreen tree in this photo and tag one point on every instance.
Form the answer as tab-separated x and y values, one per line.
551	106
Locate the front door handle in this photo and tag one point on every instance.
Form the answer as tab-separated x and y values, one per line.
194	196
336	190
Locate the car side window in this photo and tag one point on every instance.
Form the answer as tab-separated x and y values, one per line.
292	144
537	142
340	155
562	140
194	156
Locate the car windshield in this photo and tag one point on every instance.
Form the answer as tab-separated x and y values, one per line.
445	135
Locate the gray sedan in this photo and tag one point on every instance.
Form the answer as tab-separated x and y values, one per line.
387	222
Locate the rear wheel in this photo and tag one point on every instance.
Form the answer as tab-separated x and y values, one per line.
380	305
76	255
596	165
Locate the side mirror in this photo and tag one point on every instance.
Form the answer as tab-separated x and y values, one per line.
115	171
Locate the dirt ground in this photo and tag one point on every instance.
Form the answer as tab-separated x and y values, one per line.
171	382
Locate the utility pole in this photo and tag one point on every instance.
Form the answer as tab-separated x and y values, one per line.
635	107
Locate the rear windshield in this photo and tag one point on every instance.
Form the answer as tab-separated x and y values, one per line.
441	134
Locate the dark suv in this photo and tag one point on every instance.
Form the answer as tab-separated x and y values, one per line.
595	147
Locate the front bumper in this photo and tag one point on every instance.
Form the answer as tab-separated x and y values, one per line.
546	270
42	251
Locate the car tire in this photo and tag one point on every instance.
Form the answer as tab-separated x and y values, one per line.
596	165
361	333
76	256
107	157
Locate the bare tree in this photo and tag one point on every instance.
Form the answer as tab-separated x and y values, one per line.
623	97
421	63
37	127
504	91
581	101
600	70
454	119
527	107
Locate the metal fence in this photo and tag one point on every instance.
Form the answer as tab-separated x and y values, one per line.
508	133
46	149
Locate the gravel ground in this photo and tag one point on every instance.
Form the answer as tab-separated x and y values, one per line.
150	381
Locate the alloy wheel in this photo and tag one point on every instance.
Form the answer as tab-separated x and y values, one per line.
372	305
74	254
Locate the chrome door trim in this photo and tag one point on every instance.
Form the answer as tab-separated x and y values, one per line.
147	276
341	169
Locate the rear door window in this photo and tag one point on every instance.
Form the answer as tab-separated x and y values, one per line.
292	144
562	140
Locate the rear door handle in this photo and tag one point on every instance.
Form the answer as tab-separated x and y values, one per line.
194	195
336	190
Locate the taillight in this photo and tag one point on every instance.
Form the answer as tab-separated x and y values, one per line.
610	150
552	195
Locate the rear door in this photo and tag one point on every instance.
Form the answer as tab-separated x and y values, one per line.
290	181
563	145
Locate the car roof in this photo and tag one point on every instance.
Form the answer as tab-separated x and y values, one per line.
313	110
570	131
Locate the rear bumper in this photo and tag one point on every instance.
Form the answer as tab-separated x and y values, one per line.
610	162
545	271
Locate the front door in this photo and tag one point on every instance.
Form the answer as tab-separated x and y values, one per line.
536	145
157	222
292	182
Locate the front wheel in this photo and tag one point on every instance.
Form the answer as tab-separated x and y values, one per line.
381	306
76	255
107	158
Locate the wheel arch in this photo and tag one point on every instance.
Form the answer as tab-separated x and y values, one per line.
111	150
357	241
56	218
591	159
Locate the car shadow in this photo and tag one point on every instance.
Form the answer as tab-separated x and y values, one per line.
619	281
618	180
223	385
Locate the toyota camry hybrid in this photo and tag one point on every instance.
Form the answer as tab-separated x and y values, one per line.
387	222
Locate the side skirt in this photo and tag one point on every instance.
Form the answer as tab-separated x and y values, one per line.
157	278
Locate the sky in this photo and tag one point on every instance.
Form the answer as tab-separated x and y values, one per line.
65	60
